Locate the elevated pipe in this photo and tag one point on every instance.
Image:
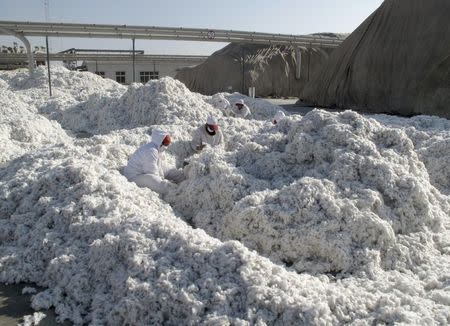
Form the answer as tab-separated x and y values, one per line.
167	33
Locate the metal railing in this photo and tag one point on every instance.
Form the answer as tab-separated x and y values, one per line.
164	33
22	57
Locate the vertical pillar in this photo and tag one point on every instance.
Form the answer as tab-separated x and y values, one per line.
134	66
298	59
309	58
25	41
48	67
243	69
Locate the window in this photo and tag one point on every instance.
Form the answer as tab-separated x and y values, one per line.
120	77
154	74
100	73
145	76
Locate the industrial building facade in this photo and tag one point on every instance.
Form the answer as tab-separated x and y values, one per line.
117	65
122	71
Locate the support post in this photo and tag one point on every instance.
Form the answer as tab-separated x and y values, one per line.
48	67
243	69
134	67
25	41
298	59
309	59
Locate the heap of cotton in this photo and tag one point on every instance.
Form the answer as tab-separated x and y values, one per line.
111	253
66	85
108	252
431	138
336	191
21	129
163	101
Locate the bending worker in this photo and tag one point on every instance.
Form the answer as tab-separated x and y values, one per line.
146	167
220	102
278	117
240	110
208	134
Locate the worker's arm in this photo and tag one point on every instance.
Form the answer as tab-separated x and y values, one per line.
196	143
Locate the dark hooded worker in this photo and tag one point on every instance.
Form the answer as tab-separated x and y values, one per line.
147	168
208	134
278	117
240	109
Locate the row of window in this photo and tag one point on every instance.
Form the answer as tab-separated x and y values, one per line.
145	76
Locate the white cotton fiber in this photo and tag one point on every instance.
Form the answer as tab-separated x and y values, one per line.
326	219
33	320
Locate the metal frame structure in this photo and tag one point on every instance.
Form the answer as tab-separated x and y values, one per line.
27	44
164	33
23	29
22	57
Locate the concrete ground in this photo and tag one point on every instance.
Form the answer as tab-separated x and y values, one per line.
290	106
14	306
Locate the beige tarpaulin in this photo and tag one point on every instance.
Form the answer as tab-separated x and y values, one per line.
270	69
396	61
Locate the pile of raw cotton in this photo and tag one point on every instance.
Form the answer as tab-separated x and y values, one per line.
323	219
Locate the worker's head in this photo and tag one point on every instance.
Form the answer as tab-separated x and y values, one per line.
239	104
278	117
161	138
212	125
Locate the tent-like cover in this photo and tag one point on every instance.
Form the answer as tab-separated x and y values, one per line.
270	69
396	61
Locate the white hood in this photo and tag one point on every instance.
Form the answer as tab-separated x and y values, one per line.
158	136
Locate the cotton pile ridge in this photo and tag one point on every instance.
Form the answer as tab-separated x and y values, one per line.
324	219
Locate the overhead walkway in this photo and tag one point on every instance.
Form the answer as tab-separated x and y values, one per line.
22	57
163	33
22	30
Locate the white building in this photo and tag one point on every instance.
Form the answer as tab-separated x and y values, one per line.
146	67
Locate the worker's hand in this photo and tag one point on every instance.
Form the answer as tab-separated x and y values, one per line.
200	147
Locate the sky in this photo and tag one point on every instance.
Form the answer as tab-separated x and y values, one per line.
284	17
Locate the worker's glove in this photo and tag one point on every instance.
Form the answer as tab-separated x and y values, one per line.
200	147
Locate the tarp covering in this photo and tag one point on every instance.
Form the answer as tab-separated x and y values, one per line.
270	69
396	61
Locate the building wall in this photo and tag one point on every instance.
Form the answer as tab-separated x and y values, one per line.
168	68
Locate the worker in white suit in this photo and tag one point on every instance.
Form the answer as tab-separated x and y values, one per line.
278	117
208	134
240	109
220	102
146	167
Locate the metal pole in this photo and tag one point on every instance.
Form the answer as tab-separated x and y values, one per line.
309	58
298	59
48	67
243	70
134	68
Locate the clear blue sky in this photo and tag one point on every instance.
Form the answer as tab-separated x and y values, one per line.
272	16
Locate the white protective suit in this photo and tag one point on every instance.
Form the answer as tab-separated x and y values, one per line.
278	117
240	113
147	169
220	102
201	137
